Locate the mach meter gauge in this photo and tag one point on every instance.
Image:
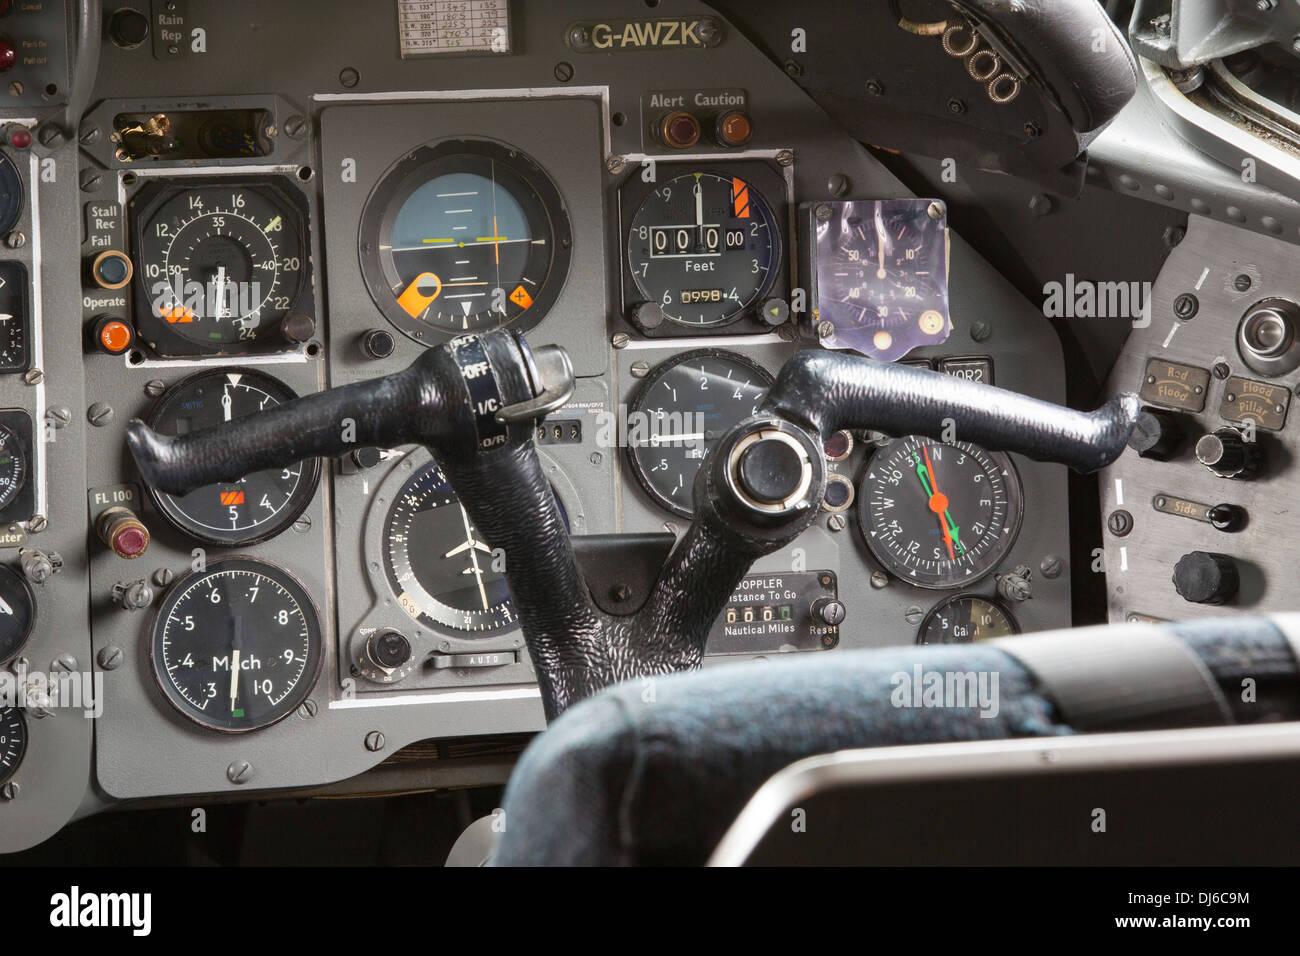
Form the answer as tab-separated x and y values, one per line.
880	275
464	236
220	266
703	250
257	506
237	647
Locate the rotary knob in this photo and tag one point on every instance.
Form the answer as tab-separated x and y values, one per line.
386	657
1156	435
1226	453
1204	577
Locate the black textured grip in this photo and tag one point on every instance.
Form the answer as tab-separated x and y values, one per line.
828	391
445	401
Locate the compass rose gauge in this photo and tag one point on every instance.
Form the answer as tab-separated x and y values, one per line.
257	506
939	515
881	275
444	574
219	266
464	236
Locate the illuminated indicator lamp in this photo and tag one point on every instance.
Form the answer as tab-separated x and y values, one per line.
20	137
121	530
838	446
8	53
680	130
111	269
112	335
733	129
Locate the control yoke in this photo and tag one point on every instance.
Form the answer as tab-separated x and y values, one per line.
474	404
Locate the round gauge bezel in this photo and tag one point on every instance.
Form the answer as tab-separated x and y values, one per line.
309	483
958	599
397	183
24	454
315	633
952	581
9	655
156	332
761	182
7	771
643	390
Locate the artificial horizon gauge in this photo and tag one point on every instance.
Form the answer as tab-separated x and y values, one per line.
437	564
237	646
704	248
13	741
684	406
966	619
257	506
880	275
219	264
464	236
939	515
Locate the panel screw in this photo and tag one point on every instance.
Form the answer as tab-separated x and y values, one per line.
620	592
349	77
564	71
241	771
302	525
1186	305
1242	283
707	31
295	126
579	37
615	164
110	658
935	211
793	69
913	615
10	791
1041	205
879	579
64	662
785	157
836	523
99	414
49	135
1032	130
981	331
15	240
640	368
155	387
1221	370
822	212
307	709
89	135
34	376
374	741
596	458
838	186
90	179
620	340
60	416
1120	523
1051	566
875	87
162	577
37	523
826	329
956	106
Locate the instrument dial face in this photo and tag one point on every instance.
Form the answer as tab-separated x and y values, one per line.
17	612
705	248
681	411
13	466
219	266
237	647
13	317
464	236
966	619
258	506
939	515
444	574
13	741
882	276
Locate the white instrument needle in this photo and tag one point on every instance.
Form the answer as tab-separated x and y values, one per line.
473	558
234	678
881	239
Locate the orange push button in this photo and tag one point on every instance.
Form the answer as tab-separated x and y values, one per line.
112	335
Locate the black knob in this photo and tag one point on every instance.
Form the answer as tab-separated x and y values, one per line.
1156	435
367	456
388	649
648	315
1203	577
378	343
770	471
1227	517
128	28
297	327
830	611
1226	453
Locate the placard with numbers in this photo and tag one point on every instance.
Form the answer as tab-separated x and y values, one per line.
430	27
